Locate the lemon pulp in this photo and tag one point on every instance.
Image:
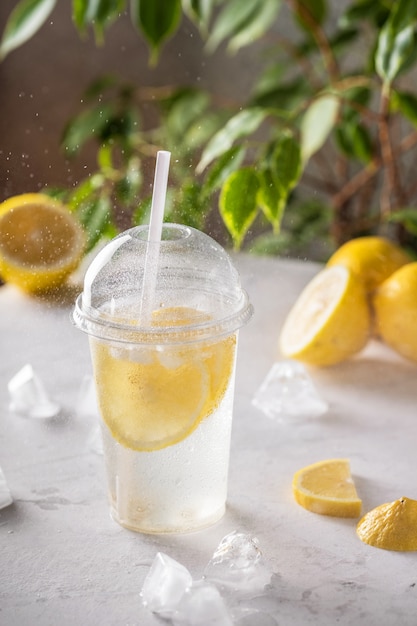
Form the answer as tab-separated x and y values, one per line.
155	397
327	488
41	242
329	322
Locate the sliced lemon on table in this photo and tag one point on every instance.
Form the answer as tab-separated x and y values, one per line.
327	488
372	259
157	401
41	242
391	526
329	322
395	310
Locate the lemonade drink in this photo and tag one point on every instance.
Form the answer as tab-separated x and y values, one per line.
165	384
166	429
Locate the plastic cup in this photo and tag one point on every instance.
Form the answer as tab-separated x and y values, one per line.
165	382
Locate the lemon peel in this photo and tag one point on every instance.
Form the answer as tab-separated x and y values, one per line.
327	488
390	526
41	242
372	259
329	322
395	311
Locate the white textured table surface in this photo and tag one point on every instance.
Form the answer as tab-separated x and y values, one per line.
64	561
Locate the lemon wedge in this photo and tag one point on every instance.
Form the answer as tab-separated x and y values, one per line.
395	310
158	397
327	488
391	526
330	320
41	242
371	259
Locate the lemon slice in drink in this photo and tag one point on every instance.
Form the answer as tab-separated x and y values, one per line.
327	488
158	397
330	321
391	526
41	242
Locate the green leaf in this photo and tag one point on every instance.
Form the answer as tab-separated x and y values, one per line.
95	214
128	187
199	12
396	40
362	10
259	22
283	97
406	103
24	21
317	123
89	124
238	203
186	108
223	167
189	207
157	20
234	17
242	124
271	199
407	217
286	163
354	140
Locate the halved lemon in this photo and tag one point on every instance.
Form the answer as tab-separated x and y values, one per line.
327	488
41	242
372	259
391	526
156	397
330	320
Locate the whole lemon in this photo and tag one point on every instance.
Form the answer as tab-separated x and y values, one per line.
395	311
373	259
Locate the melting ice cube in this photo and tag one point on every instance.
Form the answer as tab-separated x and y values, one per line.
238	565
165	584
202	605
288	391
5	495
28	396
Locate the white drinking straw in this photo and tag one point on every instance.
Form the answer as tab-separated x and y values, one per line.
154	235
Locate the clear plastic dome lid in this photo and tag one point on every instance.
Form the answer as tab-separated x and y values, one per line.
193	272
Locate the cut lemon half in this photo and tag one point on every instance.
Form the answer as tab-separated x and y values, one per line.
41	242
156	397
371	259
391	526
327	488
329	322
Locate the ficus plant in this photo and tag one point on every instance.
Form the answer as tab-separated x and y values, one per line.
321	151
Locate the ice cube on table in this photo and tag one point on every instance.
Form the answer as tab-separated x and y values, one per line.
289	392
5	495
238	565
202	605
165	584
28	396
